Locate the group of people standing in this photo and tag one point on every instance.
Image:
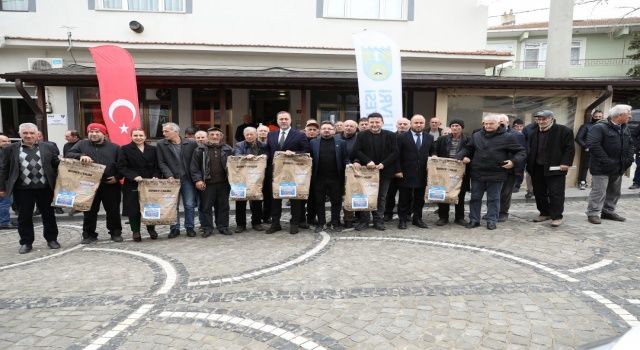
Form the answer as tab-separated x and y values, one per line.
495	155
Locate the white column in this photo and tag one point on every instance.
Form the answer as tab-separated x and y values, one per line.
559	39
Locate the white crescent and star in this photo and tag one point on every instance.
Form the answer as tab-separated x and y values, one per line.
122	103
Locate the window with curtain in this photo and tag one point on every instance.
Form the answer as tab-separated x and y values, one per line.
535	54
367	9
14	5
144	5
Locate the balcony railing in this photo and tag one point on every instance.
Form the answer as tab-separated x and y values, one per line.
592	62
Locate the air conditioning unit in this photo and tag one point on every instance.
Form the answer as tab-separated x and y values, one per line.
44	63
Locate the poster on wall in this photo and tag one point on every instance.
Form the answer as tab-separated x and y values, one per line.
56	119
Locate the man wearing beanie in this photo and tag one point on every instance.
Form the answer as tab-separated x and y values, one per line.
447	147
96	149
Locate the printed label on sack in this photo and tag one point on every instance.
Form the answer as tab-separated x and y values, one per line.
359	201
65	199
151	211
287	189
437	193
238	191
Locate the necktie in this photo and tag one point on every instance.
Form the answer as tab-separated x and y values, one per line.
281	141
418	141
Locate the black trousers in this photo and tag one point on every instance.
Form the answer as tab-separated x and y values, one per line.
391	197
411	202
297	213
26	200
309	206
585	159
215	201
549	192
443	208
333	189
241	213
267	193
109	196
506	192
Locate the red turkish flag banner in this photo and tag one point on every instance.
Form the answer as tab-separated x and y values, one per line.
118	91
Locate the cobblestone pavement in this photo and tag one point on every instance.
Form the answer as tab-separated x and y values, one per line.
522	286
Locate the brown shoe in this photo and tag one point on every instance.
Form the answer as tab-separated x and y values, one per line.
556	222
612	216
541	218
137	237
594	219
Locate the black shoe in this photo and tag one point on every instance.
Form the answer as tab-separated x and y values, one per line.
266	220
387	217
240	229
53	244
402	224
491	225
25	248
348	224
484	217
136	237
419	223
502	217
612	216
191	232
273	229
225	231
293	229
361	226
379	226
88	240
634	187
9	226
528	195
460	222
313	222
174	233
472	224
206	233
152	233
303	225
319	229
58	210
258	227
442	222
117	237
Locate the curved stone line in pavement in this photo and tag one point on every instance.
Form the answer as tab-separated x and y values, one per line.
5	267
258	273
591	267
131	319
297	340
508	256
631	320
169	270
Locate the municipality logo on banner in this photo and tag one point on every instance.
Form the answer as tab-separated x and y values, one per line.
379	76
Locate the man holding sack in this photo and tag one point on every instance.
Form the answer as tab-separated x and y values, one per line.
96	149
28	171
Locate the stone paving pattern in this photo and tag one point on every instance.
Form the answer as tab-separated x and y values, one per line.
353	294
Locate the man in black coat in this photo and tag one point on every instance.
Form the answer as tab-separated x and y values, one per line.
290	141
402	125
376	149
507	186
96	149
329	155
174	160
447	147
581	139
28	171
635	138
491	152
609	143
414	148
551	152
349	136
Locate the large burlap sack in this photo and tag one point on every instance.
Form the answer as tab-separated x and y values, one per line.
444	180
361	192
291	175
159	201
246	176
76	184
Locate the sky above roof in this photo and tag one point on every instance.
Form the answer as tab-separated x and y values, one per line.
538	10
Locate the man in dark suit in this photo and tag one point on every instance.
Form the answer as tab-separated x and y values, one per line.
330	157
414	148
28	171
376	149
290	141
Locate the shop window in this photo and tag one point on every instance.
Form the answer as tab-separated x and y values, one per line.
335	105
207	109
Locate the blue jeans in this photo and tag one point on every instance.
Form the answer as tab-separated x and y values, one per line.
188	194
5	207
478	188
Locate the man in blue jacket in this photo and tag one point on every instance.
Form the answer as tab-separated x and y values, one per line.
249	147
330	157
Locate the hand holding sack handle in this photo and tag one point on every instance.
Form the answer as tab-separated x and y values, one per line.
159	201
76	184
246	175
291	175
361	192
444	180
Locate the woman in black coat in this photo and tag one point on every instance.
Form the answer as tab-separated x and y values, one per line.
137	161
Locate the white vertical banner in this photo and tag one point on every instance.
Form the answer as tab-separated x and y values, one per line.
379	76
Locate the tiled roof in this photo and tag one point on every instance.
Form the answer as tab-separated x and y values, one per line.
251	45
613	22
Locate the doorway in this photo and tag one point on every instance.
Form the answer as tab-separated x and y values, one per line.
265	104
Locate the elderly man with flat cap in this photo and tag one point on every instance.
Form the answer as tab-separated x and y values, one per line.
96	149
